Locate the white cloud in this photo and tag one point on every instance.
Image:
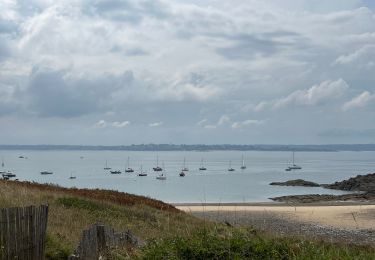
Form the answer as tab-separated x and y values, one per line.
359	101
101	124
201	122
247	123
156	124
365	54
223	120
115	124
317	94
121	124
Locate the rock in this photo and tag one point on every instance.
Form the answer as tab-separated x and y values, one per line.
358	183
298	182
368	196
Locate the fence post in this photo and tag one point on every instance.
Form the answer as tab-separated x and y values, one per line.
22	232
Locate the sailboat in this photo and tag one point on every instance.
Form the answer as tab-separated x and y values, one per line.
142	173
162	176
293	166
128	169
157	168
106	166
72	177
230	169
202	168
184	168
243	167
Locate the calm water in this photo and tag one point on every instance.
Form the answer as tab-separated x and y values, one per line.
214	185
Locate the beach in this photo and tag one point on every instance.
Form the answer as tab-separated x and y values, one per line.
348	222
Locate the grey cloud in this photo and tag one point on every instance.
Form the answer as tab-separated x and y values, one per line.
5	50
130	11
246	46
52	94
136	51
7	27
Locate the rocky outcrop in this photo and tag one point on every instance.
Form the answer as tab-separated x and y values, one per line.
298	182
310	198
358	183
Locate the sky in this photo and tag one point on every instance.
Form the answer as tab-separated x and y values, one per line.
121	72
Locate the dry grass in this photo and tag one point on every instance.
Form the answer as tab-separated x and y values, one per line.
72	210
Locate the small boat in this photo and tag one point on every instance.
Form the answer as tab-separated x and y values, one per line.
161	177
128	169
243	166
157	168
202	168
72	177
230	169
21	157
182	174
293	166
184	168
115	172
106	166
142	173
46	172
8	175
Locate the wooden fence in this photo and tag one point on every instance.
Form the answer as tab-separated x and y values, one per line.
99	240
22	232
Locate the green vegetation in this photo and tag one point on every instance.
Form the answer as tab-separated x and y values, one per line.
237	243
169	233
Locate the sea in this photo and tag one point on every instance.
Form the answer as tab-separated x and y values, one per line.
215	185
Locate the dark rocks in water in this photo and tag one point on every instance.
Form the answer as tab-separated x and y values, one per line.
358	183
310	198
298	182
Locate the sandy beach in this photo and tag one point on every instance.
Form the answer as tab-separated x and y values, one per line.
347	216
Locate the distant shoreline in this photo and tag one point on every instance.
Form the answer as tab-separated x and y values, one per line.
197	147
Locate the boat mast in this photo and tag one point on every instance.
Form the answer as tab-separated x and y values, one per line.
293	157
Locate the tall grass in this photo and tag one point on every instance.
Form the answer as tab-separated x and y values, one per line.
169	233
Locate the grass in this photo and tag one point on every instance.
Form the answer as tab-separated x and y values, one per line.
169	233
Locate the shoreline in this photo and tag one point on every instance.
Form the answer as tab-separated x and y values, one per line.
272	204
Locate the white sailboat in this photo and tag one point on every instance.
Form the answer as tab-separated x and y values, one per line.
162	176
128	169
106	166
243	166
202	168
142	173
184	168
293	166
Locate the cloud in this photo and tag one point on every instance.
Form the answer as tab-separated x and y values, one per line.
120	124
223	120
364	55
155	124
54	93
359	101
247	123
201	122
317	94
104	124
101	124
